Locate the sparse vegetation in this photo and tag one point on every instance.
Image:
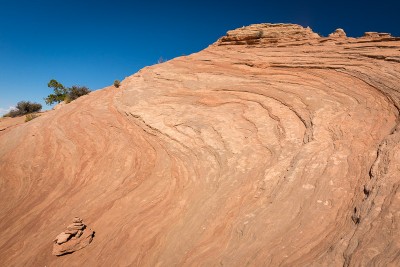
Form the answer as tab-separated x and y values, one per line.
117	83
161	60
30	117
77	91
62	93
23	108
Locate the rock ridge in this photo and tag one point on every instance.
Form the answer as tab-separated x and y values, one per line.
275	34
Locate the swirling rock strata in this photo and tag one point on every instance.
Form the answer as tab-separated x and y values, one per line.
272	147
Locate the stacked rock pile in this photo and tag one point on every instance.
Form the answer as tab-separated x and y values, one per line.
74	238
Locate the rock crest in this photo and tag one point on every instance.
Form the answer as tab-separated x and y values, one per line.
74	238
338	33
289	35
267	33
377	35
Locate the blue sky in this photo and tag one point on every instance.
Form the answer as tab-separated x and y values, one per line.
92	43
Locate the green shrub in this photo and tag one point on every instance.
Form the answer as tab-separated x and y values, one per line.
22	108
30	117
117	83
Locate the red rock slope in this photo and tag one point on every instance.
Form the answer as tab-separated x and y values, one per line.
272	147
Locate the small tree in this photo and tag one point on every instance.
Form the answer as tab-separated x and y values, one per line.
60	92
117	83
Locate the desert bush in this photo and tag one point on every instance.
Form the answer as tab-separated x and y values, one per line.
12	113
117	83
77	91
67	99
22	108
30	117
28	107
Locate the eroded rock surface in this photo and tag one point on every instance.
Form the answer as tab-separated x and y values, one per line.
338	33
267	33
272	147
74	238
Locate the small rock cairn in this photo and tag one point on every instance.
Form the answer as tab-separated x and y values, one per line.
76	237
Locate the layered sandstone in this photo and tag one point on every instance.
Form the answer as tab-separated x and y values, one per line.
74	238
272	147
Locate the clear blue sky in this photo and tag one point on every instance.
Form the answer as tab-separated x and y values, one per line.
93	43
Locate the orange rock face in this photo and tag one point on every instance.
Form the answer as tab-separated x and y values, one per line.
272	147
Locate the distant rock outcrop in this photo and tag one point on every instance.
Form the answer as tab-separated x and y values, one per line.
267	33
338	33
74	238
377	35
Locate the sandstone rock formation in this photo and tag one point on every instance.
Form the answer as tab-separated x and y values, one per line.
378	35
272	147
267	33
74	238
338	33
